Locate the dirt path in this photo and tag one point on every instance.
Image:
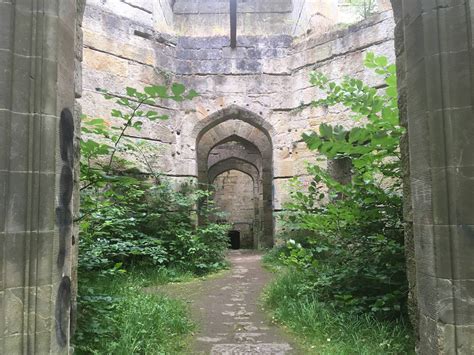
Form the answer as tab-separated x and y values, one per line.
226	307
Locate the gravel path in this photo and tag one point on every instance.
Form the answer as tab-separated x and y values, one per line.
227	310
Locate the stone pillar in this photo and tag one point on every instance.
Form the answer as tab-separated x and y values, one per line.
405	159
78	57
36	174
436	71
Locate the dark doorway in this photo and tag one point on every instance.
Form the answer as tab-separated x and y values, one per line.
234	239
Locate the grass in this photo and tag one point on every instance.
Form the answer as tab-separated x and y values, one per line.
117	317
323	330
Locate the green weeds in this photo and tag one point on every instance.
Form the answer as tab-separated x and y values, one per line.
117	317
323	330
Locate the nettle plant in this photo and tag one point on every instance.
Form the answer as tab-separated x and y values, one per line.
350	236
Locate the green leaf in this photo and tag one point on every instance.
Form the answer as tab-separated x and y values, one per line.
157	91
116	113
381	61
325	130
192	94
392	92
95	122
178	89
391	80
137	125
131	91
312	140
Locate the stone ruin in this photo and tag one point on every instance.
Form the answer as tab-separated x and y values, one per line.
243	133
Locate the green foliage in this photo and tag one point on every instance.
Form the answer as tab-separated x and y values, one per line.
350	236
149	225
118	318
325	330
126	219
133	221
104	138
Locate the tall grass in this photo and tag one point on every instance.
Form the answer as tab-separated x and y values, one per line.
326	331
117	317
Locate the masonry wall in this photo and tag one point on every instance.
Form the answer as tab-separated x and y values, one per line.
234	195
205	17
37	160
268	75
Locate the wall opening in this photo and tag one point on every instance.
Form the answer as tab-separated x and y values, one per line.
237	140
234	239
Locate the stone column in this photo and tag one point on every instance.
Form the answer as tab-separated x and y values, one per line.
436	62
36	174
405	159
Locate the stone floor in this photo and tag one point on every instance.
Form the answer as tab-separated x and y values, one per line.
230	318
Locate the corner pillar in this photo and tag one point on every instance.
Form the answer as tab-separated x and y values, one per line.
37	162
434	45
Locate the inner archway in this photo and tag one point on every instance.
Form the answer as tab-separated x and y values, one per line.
235	196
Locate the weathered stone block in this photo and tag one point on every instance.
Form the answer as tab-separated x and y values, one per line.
49	89
202	42
461	188
46	182
105	63
247	66
184	67
12	343
18	203
15	260
6	11
77	78
435	298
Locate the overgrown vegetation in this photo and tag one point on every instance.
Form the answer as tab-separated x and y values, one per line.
117	317
345	248
325	330
135	227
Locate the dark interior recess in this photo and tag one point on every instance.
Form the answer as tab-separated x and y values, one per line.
234	239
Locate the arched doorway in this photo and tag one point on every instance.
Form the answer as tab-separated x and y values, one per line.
237	139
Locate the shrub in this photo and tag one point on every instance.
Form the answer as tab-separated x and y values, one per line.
129	218
325	330
350	236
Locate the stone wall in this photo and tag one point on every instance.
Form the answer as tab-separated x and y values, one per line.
315	16
265	75
235	196
435	71
37	160
205	17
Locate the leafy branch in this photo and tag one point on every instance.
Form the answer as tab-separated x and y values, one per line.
102	140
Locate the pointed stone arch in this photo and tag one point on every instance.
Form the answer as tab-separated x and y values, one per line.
238	124
233	112
239	164
222	151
